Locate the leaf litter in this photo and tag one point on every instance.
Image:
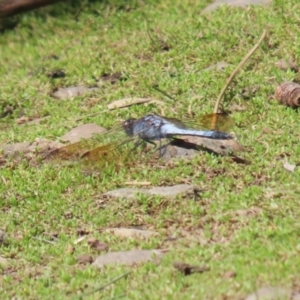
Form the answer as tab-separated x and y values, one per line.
188	269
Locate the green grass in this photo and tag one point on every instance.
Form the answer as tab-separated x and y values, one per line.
39	203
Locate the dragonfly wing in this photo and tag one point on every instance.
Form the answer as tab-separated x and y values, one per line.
108	153
176	122
218	121
215	121
72	151
77	150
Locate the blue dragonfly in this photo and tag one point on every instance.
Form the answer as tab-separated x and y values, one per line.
150	128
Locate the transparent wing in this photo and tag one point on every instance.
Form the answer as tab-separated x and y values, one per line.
215	121
99	144
111	154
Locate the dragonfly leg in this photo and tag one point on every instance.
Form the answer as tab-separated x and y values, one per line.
138	143
163	148
141	141
151	142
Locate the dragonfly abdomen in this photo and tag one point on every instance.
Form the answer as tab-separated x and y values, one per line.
212	134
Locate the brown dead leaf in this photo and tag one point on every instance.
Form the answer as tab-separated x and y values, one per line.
70	249
229	274
97	245
250	212
22	120
239	160
85	259
188	269
68	215
287	65
112	78
267	130
129	102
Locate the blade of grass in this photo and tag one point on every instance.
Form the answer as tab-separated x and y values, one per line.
102	287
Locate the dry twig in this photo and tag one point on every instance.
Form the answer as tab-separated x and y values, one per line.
240	65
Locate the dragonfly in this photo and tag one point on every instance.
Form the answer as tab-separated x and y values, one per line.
149	128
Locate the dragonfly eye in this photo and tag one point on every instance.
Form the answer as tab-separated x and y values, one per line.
128	126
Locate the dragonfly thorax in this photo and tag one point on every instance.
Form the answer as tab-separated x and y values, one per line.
128	126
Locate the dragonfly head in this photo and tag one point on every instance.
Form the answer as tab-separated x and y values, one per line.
128	126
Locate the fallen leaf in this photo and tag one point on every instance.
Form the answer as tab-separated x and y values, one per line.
85	259
36	121
112	78
80	239
287	65
132	233
289	167
249	212
239	160
188	269
72	91
97	245
22	120
229	274
70	249
128	102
